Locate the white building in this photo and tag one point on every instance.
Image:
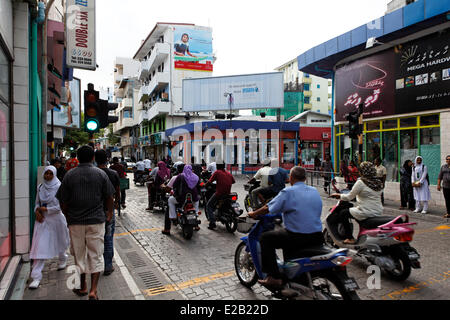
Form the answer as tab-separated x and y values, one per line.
397	4
161	73
316	90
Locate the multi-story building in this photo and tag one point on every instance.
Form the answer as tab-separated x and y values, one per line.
303	92
126	89
397	4
170	53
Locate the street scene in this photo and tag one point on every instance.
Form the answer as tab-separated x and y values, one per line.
152	161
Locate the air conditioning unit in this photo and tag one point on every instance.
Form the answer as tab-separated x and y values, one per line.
325	135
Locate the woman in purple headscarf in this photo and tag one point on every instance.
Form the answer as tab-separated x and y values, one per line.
185	183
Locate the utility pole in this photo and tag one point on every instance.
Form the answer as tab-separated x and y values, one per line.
360	133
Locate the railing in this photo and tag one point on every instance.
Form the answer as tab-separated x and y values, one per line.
331	181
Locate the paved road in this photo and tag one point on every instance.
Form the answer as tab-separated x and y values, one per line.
202	268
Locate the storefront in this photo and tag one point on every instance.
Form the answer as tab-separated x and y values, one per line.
249	143
6	235
402	82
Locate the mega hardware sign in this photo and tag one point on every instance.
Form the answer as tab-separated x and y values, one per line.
80	34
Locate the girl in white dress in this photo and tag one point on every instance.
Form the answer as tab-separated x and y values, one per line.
420	186
51	235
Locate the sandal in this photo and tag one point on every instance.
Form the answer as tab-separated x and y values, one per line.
93	298
79	293
197	228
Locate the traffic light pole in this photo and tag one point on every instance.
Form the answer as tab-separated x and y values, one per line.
360	135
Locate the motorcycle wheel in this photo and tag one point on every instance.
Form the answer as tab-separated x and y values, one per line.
247	203
188	231
331	286
244	267
231	225
402	265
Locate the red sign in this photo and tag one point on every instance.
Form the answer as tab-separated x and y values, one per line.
194	66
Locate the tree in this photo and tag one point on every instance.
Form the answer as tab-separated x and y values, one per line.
78	137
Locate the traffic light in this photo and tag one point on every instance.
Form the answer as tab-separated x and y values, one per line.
91	110
104	118
353	125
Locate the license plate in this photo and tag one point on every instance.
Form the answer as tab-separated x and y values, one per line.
413	256
351	284
191	217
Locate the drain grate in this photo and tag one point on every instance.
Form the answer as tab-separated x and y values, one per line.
135	260
150	280
124	244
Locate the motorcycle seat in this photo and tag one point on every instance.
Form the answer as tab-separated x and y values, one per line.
295	253
373	223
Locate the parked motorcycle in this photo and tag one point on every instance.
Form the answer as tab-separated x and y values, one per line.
383	241
228	211
187	217
315	273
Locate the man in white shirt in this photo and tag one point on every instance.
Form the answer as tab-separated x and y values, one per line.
147	164
381	174
263	175
212	167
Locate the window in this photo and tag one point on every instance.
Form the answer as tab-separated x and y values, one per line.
306	100
306	87
390	154
318	99
409	146
318	86
429	120
373	125
373	143
390	124
408	122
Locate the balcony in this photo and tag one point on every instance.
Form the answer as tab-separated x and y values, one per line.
126	103
307	93
307	106
160	80
307	80
158	108
123	123
159	54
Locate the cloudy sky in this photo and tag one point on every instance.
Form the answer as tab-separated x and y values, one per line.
249	36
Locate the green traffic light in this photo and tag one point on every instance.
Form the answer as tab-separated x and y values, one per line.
92	125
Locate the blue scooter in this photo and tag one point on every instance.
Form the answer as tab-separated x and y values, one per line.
314	273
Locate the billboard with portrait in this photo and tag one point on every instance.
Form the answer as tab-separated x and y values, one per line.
369	81
192	49
68	113
423	74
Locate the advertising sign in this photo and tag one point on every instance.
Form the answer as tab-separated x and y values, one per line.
369	81
192	49
68	113
254	91
80	34
422	74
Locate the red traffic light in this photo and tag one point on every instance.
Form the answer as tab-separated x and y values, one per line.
91	98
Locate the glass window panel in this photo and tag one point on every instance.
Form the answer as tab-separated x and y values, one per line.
408	122
430	150
390	124
409	148
4	76
373	146
429	120
373	125
390	154
430	136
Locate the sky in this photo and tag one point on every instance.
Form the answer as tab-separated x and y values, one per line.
249	36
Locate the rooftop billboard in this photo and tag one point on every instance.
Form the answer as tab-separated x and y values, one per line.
253	91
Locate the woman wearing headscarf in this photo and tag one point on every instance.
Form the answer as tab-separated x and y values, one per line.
419	179
160	175
406	189
367	191
51	235
185	183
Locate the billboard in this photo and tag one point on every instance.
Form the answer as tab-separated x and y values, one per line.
80	34
192	49
68	113
423	74
253	91
369	81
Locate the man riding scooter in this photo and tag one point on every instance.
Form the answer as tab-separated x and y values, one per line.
367	191
303	227
264	191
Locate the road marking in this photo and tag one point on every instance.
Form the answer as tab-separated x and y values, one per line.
135	231
396	295
438	228
187	284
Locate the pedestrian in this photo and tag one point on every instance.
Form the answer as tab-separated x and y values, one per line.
317	165
327	168
381	174
419	179
60	171
147	165
82	196
353	174
406	189
102	159
72	162
444	178
50	235
344	172
120	169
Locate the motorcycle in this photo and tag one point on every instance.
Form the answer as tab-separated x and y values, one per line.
314	273
383	241
228	211
161	201
248	202
206	192
187	217
140	177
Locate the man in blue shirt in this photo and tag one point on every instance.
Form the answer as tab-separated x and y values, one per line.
301	208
